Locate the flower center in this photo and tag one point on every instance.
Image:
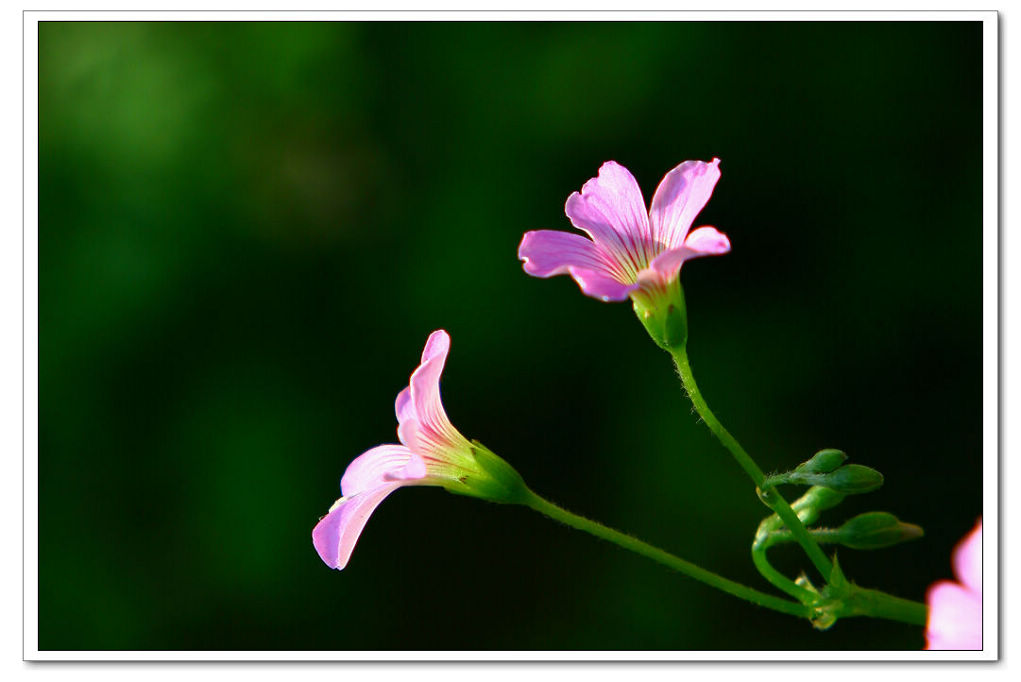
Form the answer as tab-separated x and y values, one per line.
635	256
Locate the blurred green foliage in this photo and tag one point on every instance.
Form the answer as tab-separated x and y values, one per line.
247	231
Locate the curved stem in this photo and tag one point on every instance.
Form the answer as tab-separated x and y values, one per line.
778	579
769	494
689	569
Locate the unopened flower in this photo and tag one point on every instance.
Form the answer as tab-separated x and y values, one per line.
632	252
432	452
955	608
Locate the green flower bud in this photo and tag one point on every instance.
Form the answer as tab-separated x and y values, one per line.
807	507
823	462
851	479
815	501
874	530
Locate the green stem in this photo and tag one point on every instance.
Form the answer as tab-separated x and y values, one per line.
779	580
769	494
876	604
821	535
860	602
658	555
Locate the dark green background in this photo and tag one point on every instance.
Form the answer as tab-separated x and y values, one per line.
248	230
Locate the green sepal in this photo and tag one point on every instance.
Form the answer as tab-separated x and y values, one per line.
652	322
664	315
838	580
496	481
676	327
875	530
832	599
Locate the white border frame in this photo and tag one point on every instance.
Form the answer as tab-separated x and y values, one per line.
990	342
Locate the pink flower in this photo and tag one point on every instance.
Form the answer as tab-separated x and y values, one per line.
955	609
432	453
631	251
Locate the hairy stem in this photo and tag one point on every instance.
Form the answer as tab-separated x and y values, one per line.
769	494
646	550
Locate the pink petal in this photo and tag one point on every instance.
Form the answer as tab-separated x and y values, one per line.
681	195
336	533
403	406
407	416
380	466
705	241
610	208
548	252
425	392
955	618
968	560
598	285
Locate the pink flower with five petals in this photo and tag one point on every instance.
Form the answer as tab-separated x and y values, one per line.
955	608
631	251
432	452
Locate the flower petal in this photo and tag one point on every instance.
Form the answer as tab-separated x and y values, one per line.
610	208
968	560
431	419
380	466
548	252
407	416
681	195
403	406
705	241
955	618
598	285
336	533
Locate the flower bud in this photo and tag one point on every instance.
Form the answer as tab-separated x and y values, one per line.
823	462
874	530
851	479
815	501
